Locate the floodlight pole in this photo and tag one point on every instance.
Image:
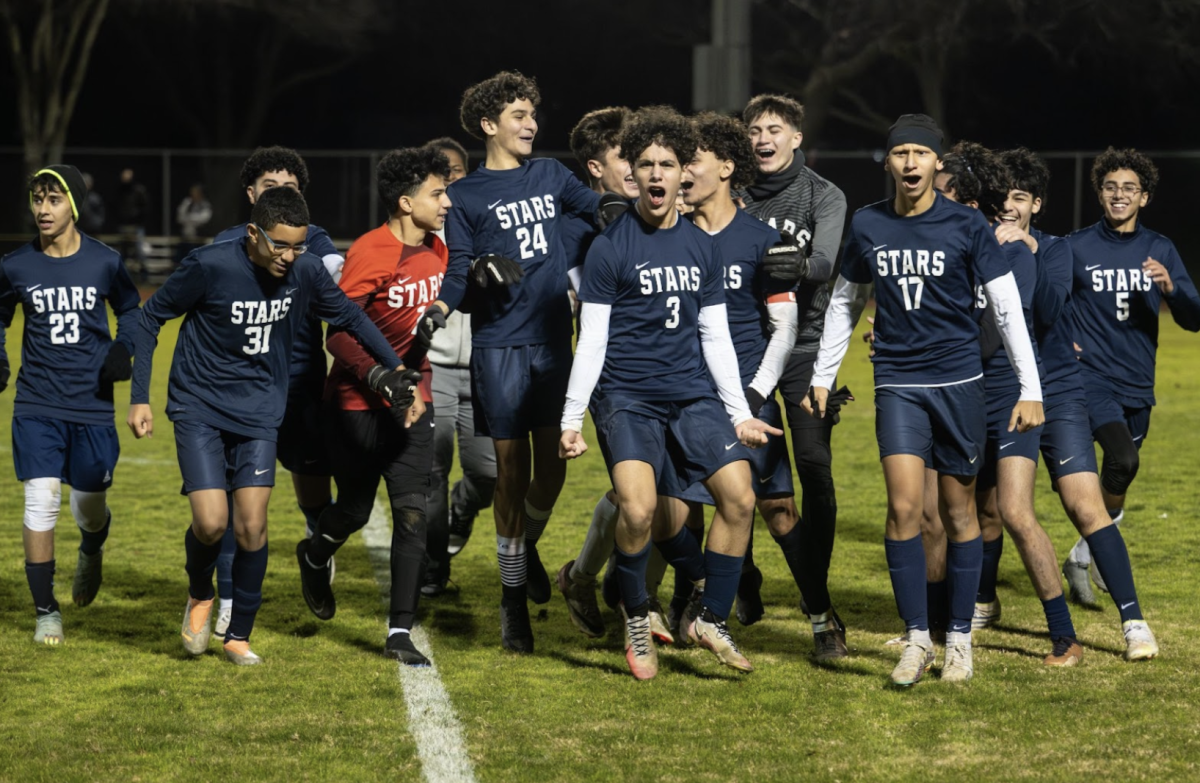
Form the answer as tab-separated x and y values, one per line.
721	69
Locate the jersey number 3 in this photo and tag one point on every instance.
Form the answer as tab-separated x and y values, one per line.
260	340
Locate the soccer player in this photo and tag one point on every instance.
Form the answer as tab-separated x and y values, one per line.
62	428
793	198
450	511
503	236
1124	272
925	254
394	273
653	340
301	449
228	391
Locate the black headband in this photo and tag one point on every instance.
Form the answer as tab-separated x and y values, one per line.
916	129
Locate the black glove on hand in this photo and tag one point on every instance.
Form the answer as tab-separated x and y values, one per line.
835	401
755	400
398	387
786	261
493	270
611	207
430	322
118	364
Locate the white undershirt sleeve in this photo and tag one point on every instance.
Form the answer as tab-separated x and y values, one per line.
333	264
1010	320
722	362
785	317
845	307
590	349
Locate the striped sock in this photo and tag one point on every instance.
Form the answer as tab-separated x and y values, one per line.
535	522
510	554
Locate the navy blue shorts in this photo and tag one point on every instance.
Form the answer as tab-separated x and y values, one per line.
944	425
210	458
1002	444
516	390
769	466
82	456
1067	439
301	447
1104	408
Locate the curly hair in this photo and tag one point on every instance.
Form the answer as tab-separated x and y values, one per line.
1114	160
597	132
977	174
266	159
488	99
661	125
728	139
443	143
280	205
786	108
1028	172
403	172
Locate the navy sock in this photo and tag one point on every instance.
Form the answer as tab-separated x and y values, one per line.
991	570
1112	561
312	515
748	560
937	600
964	560
201	560
683	553
722	575
225	564
631	577
1058	618
249	568
906	566
41	584
91	543
792	545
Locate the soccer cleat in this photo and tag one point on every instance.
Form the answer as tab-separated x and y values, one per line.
675	611
915	660
690	613
196	629
460	532
1140	644
712	634
515	633
1094	572
749	596
658	624
89	573
238	652
640	652
829	638
537	582
221	624
49	629
1067	652
314	584
400	647
1077	583
959	666
985	614
581	603
436	580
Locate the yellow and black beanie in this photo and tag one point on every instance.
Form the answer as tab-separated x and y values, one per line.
69	180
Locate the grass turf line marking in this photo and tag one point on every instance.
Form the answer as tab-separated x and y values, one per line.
431	718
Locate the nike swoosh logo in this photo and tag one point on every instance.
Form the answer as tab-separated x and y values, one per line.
1139	437
1126	606
34	287
972	459
309	461
730	446
1093	266
44	609
1004	446
404	280
765	480
1065	461
879	247
493	204
639	266
291	291
260	472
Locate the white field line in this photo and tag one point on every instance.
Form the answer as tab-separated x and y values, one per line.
431	718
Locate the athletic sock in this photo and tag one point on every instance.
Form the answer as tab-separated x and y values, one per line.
1058	617
990	570
1112	561
792	546
312	514
964	560
598	544
937	601
393	631
510	554
91	543
201	560
722	573
225	564
41	585
748	560
631	577
906	566
683	553
408	555
656	569
1080	554
224	604
1116	515
535	523
249	568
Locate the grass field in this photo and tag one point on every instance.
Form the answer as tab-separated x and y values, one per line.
121	701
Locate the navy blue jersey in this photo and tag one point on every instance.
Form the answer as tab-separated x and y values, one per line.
1116	306
230	368
1052	320
656	281
66	335
742	245
925	269
576	235
516	213
308	352
1000	379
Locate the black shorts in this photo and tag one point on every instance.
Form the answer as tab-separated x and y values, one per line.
368	445
301	445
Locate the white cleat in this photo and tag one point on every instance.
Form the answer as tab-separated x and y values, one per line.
1140	644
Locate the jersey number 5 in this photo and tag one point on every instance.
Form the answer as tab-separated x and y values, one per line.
64	328
260	340
1122	305
537	240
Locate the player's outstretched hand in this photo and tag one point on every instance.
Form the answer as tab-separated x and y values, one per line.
786	261
493	270
398	387
571	445
753	432
815	401
414	412
1010	232
1159	274
1026	415
118	364
869	336
141	420
835	401
611	207
430	322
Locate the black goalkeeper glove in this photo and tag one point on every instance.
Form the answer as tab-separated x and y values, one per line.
835	401
118	364
611	207
398	387
494	270
755	400
786	261
430	322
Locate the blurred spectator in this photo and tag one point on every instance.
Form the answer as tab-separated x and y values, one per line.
193	212
132	203
91	216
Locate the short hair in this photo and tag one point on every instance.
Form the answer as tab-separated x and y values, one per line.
1028	172
597	132
661	125
46	181
403	172
266	159
726	137
280	205
977	174
443	143
1113	160
488	99
785	107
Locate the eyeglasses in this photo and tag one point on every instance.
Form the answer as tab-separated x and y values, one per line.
279	248
1111	190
